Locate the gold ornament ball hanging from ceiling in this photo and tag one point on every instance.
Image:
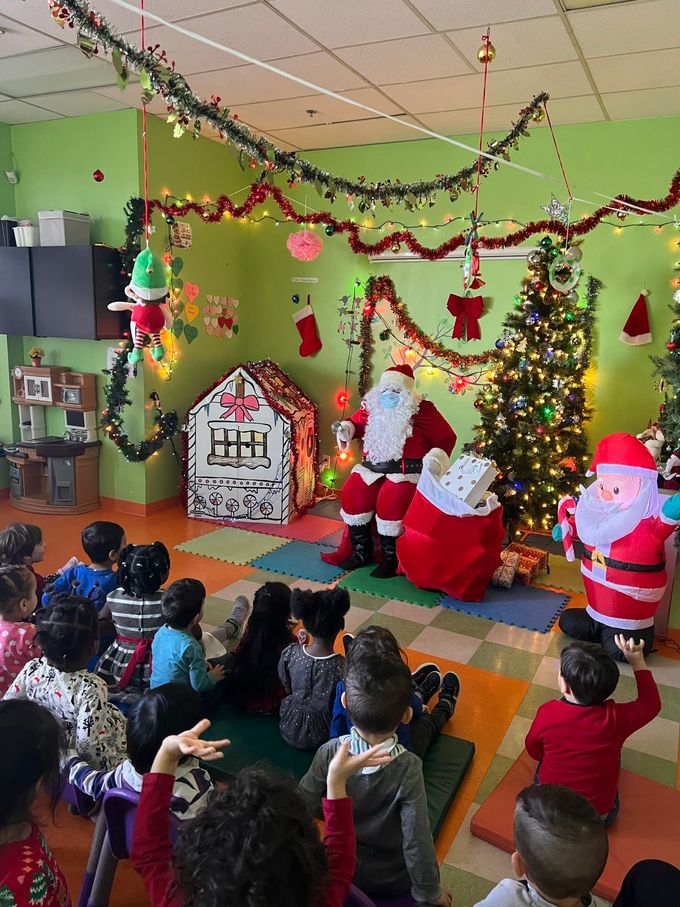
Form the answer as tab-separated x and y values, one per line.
486	53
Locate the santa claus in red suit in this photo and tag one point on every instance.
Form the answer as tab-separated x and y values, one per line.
623	529
402	434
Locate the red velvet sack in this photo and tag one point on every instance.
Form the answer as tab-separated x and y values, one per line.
448	545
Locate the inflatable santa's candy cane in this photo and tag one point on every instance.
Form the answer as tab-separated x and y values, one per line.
566	507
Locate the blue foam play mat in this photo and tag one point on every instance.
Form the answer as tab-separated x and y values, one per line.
301	559
520	606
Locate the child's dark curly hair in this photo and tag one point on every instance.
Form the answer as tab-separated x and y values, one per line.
16	582
322	612
254	844
68	631
142	569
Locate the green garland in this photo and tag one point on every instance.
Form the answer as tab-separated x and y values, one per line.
188	110
117	398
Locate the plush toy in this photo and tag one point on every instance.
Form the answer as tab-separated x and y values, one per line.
147	291
402	435
623	528
653	439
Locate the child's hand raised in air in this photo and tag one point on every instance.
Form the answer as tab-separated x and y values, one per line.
188	743
632	651
216	673
343	765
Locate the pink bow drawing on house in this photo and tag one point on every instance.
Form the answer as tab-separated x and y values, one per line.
239	406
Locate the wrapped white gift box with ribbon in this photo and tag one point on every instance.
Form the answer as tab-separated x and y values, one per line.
469	478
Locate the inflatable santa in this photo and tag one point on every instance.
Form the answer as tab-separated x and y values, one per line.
402	434
623	533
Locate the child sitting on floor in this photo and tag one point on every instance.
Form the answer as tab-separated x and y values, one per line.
427	680
254	843
560	848
67	634
577	740
17	637
32	743
135	608
395	850
22	543
158	714
310	673
252	679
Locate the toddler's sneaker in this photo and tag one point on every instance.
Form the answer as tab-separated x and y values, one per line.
449	692
421	672
429	686
239	615
347	639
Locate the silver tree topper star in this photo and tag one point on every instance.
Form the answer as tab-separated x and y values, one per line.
556	210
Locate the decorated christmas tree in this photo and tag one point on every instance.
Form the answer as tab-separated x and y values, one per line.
534	408
668	369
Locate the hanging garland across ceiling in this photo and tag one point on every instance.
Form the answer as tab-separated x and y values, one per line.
187	111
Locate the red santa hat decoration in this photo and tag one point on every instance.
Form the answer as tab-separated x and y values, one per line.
621	453
637	331
399	374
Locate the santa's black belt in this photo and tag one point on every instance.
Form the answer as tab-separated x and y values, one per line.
405	466
598	558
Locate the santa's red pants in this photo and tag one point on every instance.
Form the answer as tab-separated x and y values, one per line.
388	500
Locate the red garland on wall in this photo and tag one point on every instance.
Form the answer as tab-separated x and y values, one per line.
260	191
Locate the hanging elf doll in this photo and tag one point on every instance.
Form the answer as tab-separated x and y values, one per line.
147	291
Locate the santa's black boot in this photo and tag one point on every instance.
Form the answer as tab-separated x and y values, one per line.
362	547
388	565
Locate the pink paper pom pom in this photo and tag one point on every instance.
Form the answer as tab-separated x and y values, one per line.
304	245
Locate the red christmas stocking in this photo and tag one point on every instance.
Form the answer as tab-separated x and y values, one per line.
306	325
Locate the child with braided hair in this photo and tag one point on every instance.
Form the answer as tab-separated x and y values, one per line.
59	681
18	601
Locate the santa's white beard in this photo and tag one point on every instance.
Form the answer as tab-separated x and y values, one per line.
387	429
600	522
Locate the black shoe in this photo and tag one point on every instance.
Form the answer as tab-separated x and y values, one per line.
362	547
347	639
387	567
421	672
429	686
449	692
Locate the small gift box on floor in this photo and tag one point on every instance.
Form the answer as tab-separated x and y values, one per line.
504	576
532	561
469	477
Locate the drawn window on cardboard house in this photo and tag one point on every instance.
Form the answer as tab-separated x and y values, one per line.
237	440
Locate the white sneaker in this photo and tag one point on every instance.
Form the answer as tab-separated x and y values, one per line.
236	621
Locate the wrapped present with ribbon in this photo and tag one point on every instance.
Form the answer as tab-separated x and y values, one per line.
532	561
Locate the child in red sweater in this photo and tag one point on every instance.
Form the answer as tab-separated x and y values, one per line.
577	740
254	842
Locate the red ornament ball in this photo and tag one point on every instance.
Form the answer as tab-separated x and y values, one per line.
670	345
98	176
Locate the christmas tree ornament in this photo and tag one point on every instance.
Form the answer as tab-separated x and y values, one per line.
546	242
487	52
564	273
538	115
98	176
555	209
304	245
329	230
305	322
574	253
295	298
637	331
147	291
622	215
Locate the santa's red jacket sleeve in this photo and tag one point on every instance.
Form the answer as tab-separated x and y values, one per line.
433	426
358	422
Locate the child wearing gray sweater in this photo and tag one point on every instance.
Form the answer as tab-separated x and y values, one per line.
561	849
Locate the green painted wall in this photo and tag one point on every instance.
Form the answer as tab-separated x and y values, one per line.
6	163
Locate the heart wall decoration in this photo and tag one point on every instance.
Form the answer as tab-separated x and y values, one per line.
220	316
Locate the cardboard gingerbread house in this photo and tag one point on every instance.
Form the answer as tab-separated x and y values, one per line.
251	448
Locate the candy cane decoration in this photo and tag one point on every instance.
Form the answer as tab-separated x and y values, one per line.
565	508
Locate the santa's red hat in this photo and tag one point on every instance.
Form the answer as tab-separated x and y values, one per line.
622	453
637	331
399	374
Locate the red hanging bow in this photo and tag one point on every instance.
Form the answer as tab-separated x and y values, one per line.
239	406
466	310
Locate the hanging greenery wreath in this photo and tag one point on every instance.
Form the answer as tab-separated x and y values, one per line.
113	422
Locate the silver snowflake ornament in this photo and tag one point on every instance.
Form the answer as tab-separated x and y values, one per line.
556	210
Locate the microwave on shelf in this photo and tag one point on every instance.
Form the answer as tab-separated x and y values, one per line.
80	426
72	395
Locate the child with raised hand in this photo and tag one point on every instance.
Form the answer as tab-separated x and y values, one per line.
32	743
18	601
252	679
577	740
310	673
135	608
160	713
284	862
561	849
22	543
68	636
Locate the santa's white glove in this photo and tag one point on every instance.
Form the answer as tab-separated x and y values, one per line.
436	462
672	463
344	432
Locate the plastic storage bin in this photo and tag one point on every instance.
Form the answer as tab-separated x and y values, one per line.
7	237
27	236
64	228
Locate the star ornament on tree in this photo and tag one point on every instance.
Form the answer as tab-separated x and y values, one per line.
556	210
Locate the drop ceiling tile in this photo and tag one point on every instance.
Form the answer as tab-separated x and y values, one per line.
460	92
56	69
79	103
574	110
341	135
443	14
275	115
518	44
323	69
627	28
14	112
17	39
633	71
352	21
246	85
654	102
499	119
131	97
405	59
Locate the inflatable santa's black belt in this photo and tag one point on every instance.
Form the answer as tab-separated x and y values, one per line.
598	558
404	466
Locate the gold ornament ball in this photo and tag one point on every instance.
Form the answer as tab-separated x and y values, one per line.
486	53
538	115
396	248
622	215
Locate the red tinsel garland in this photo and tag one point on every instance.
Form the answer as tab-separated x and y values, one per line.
260	191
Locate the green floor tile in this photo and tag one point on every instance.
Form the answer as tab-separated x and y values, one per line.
368	602
653	767
266	576
505	660
216	610
465	624
467	889
670	702
405	630
563	575
496	770
535	697
557	643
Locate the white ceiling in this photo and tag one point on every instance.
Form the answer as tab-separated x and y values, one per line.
417	59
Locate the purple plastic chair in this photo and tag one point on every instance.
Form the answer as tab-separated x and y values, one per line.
357	898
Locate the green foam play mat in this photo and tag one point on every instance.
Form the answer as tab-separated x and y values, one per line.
235	546
396	587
